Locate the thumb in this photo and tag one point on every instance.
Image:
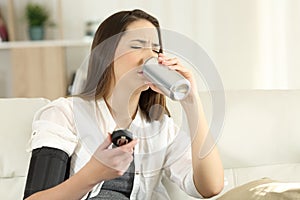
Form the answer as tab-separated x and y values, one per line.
106	143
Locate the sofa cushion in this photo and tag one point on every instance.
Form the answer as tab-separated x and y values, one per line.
15	130
12	188
264	189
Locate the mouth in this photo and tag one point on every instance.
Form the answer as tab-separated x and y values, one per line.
140	72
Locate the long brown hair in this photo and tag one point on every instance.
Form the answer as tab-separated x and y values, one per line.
101	72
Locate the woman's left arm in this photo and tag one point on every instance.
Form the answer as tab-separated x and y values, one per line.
208	170
207	165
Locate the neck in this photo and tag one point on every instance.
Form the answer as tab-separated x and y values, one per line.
124	110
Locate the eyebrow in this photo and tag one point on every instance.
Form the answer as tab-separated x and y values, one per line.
144	42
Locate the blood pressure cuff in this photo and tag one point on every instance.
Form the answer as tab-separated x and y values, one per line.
48	168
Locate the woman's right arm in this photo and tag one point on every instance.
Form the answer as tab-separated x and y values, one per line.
73	188
105	164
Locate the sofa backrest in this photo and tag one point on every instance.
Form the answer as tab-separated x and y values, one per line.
15	117
264	122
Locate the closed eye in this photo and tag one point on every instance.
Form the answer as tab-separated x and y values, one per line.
135	47
156	51
139	47
139	44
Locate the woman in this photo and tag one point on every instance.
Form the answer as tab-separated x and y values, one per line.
116	95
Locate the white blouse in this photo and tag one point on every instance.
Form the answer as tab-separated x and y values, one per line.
79	126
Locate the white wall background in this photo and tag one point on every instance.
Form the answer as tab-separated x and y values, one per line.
255	44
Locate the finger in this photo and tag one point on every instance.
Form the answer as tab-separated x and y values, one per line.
176	67
179	68
170	62
125	157
173	64
161	58
106	143
122	156
129	147
161	55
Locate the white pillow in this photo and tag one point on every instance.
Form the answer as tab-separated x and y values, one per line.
264	189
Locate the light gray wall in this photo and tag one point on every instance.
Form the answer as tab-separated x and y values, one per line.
255	44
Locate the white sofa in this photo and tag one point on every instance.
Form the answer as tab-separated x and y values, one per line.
260	138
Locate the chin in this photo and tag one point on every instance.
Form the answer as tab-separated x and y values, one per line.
142	88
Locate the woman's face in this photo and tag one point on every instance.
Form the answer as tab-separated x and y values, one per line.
139	42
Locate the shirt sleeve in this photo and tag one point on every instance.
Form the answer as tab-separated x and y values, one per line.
53	126
178	164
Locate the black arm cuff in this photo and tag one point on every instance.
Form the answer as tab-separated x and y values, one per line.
48	168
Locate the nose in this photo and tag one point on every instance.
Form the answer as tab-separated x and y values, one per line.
149	53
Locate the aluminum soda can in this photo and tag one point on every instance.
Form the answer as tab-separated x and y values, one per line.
169	81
